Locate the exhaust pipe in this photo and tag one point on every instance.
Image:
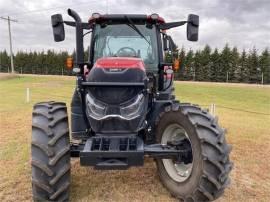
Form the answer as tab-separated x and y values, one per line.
79	37
75	15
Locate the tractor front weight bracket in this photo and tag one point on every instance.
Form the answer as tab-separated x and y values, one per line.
122	152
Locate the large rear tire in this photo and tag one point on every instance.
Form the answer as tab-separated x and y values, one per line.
207	173
50	152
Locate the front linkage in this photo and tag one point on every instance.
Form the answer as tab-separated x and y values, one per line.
116	152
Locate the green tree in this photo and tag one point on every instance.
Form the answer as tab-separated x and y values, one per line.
4	62
225	64
204	70
264	65
188	65
253	67
196	66
234	65
214	65
241	72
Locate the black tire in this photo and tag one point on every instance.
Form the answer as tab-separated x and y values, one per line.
211	164
50	152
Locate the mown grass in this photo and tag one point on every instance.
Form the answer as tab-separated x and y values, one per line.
252	98
248	133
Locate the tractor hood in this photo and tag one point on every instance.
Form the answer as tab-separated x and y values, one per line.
120	109
120	62
117	69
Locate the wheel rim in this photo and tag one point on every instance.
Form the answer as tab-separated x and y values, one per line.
179	172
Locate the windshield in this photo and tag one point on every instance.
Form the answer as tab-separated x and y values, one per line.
121	40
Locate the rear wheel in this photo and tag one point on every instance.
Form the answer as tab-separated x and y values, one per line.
50	152
205	175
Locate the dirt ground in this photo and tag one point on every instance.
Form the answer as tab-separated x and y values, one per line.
248	133
6	76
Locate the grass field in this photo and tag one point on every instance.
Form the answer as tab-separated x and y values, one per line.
249	134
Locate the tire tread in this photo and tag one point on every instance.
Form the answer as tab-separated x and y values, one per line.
50	166
212	137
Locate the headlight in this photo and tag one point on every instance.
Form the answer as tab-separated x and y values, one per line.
133	108
95	108
127	111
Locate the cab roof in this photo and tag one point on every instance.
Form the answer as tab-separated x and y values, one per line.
122	18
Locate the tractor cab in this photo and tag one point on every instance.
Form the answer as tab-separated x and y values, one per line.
125	36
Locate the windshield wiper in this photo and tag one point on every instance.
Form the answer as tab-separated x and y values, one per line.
135	28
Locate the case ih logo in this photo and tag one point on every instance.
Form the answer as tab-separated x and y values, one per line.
115	69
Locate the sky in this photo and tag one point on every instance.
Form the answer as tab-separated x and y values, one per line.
241	23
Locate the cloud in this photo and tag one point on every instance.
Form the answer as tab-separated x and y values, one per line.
241	23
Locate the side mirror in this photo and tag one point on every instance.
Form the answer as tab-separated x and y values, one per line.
58	27
193	27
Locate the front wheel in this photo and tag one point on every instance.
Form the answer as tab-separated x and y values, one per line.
50	152
205	174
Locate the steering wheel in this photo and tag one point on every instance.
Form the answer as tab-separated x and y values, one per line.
122	52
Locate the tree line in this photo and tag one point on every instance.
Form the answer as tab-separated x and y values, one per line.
49	62
226	65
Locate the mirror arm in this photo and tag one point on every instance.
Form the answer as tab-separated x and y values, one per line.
85	25
170	25
70	23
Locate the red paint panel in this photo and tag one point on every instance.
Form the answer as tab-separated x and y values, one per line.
120	62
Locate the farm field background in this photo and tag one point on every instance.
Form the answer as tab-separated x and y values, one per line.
249	134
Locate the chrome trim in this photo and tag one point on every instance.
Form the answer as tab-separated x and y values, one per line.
113	116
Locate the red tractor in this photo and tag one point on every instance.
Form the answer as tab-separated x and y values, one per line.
124	109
